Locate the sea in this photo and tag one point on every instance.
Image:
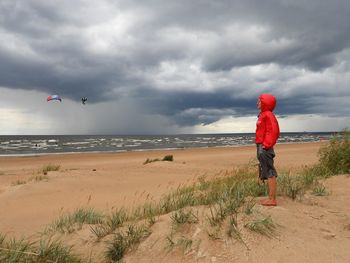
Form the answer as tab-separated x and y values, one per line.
23	145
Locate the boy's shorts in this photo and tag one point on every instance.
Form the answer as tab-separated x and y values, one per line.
266	167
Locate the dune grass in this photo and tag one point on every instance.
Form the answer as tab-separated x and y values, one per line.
18	182
183	216
126	240
319	190
182	242
110	223
44	250
38	178
168	158
264	226
69	223
50	167
335	156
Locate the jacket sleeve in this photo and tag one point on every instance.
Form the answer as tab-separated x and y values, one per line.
272	130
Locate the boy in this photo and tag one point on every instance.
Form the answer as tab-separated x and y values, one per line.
267	133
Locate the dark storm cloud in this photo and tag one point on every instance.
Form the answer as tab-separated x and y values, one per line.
189	108
316	29
114	50
192	108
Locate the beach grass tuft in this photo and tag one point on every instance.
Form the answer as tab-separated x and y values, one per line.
38	178
170	241
249	205
217	215
233	230
100	231
126	240
319	190
183	216
168	158
55	251
264	226
18	182
291	185
13	250
50	167
74	221
110	224
151	160
335	156
184	243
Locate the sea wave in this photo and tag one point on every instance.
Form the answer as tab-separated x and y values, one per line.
49	144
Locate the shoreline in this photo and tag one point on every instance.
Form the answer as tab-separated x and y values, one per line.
146	150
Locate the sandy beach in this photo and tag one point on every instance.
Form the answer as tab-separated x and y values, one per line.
112	180
108	180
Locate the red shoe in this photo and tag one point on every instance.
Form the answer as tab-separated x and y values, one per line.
268	202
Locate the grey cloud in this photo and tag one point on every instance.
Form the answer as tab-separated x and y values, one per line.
318	30
193	108
53	53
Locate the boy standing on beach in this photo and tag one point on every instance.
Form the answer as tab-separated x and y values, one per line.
267	133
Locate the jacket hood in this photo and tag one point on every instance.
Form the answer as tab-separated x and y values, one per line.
268	102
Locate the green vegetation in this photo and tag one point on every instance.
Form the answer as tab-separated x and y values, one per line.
18	182
319	190
110	224
74	221
168	158
12	251
125	240
264	226
151	160
249	205
38	178
335	157
184	243
183	217
50	167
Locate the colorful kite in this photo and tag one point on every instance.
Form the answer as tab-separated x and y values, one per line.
54	97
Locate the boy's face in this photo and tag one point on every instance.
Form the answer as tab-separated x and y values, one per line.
258	104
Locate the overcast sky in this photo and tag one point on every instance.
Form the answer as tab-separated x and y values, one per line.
165	67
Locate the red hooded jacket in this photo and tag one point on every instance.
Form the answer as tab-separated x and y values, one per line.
267	128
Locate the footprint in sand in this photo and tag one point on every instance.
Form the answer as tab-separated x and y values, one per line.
327	234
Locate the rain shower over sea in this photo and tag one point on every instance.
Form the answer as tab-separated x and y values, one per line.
53	144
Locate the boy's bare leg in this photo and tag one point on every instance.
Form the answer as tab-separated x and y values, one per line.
272	184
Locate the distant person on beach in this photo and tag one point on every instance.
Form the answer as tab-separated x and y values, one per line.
266	135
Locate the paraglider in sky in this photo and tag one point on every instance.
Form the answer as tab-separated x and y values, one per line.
83	100
54	97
